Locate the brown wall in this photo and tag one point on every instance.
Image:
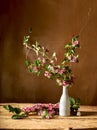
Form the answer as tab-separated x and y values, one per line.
53	22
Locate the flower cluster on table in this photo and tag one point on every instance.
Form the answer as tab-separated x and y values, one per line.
48	65
44	110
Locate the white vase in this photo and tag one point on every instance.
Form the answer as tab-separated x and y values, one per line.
64	104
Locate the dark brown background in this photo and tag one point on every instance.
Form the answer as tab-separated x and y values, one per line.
53	23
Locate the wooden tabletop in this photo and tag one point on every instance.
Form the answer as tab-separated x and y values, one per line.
88	119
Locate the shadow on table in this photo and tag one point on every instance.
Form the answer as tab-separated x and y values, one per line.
88	113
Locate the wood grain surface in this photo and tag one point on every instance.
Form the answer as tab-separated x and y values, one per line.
87	120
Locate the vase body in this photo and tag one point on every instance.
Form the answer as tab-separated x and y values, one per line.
64	104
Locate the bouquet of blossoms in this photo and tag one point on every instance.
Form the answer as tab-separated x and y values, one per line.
47	65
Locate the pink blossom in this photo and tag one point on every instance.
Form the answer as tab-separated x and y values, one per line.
39	58
50	107
69	57
57	68
75	43
32	108
51	68
39	112
23	109
35	68
61	71
47	74
56	106
72	58
65	83
51	114
38	106
26	109
43	61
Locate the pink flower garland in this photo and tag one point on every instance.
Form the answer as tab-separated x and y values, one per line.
44	110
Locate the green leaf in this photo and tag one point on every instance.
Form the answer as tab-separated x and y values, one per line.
44	113
30	70
66	54
37	63
78	101
72	51
63	62
17	116
46	67
67	46
9	108
52	76
26	39
27	62
6	107
77	56
12	109
17	110
76	107
75	38
67	78
38	73
72	101
75	103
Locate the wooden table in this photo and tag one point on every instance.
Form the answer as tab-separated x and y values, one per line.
87	120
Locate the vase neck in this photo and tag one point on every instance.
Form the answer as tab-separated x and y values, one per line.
65	90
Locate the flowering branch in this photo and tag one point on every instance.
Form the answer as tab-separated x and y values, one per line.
43	63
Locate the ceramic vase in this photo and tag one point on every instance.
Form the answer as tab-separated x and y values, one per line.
64	104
